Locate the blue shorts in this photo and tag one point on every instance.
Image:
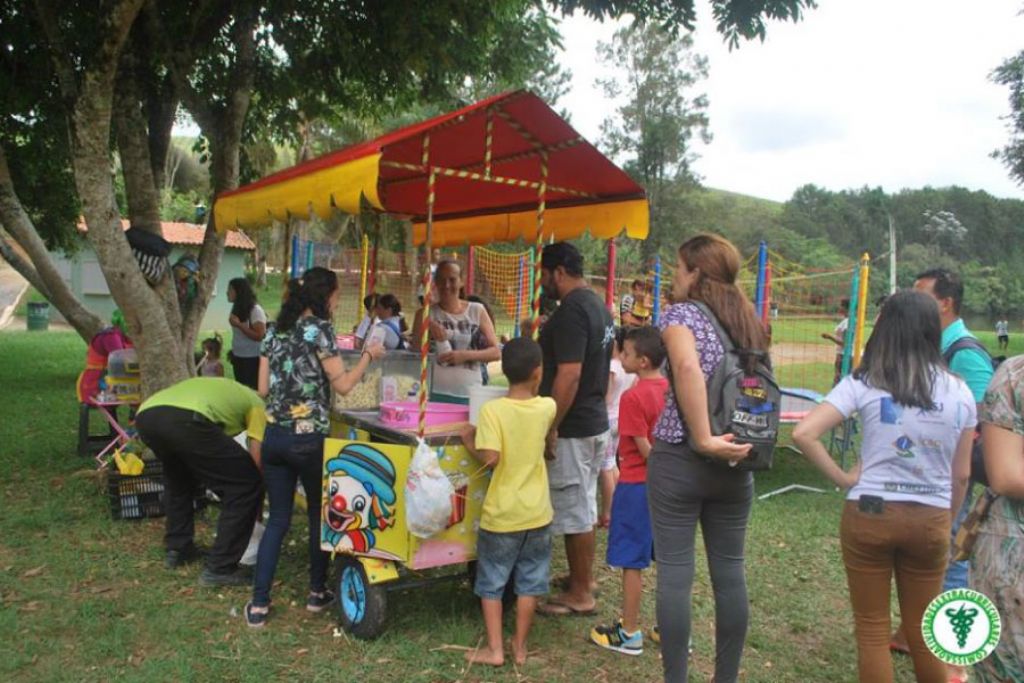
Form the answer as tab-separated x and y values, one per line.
630	542
522	556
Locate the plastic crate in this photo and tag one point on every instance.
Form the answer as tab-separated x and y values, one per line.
138	497
142	497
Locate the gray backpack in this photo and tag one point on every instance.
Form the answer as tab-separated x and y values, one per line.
741	403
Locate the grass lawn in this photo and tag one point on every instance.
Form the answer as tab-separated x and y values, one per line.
83	598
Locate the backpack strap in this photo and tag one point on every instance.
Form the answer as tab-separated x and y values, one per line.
393	326
966	342
723	337
728	345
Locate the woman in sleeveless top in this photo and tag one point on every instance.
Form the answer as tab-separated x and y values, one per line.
454	325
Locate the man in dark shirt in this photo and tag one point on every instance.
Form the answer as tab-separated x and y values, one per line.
577	346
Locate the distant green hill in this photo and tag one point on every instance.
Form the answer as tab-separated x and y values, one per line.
745	201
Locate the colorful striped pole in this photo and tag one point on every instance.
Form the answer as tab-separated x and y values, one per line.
470	269
609	290
656	304
425	334
762	263
362	277
766	310
851	324
488	141
295	256
539	246
862	307
531	278
519	293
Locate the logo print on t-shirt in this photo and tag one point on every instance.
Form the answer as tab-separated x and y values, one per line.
609	337
890	411
903	445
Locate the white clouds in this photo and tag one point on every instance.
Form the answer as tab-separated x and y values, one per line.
862	92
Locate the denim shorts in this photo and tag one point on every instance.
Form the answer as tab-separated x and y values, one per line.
520	556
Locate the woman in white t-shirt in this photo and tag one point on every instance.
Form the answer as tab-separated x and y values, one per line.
249	323
918	424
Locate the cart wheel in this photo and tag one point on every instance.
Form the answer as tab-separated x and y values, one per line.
361	605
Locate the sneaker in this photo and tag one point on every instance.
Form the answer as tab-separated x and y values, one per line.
318	602
255	619
655	635
187	555
238	577
616	639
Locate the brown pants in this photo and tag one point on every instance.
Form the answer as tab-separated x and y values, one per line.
913	541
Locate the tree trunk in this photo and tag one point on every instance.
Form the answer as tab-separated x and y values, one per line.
19	225
141	191
157	343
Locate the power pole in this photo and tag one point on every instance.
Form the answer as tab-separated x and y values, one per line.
892	255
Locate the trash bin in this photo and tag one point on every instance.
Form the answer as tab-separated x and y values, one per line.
38	315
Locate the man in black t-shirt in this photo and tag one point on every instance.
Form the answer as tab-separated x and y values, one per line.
577	346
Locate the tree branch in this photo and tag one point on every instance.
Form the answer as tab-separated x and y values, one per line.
133	144
17	223
47	14
225	142
23	267
207	19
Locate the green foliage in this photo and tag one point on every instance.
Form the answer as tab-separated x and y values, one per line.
970	232
653	130
734	19
33	132
180	207
185	169
1011	74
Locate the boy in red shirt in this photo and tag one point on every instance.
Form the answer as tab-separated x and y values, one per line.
630	542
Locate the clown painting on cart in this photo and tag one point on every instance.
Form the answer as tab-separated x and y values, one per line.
359	500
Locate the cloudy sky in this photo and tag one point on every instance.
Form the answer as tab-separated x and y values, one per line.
861	92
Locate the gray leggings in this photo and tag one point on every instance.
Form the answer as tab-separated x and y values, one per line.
682	490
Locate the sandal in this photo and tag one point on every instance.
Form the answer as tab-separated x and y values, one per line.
556	608
561	582
253	618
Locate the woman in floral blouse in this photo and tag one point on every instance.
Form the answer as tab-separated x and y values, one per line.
687	486
299	365
997	564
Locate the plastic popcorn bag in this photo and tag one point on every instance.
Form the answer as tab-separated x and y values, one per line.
249	556
428	494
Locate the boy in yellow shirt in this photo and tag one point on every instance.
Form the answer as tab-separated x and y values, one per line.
514	543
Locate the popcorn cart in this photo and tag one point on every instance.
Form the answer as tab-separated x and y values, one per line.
503	169
363	517
365	466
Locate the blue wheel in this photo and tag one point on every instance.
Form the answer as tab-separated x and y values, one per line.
362	606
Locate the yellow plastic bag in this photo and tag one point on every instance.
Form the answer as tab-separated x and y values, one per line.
128	464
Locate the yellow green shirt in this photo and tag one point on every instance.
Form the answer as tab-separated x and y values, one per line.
225	402
517	498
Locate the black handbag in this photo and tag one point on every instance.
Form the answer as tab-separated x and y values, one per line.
150	251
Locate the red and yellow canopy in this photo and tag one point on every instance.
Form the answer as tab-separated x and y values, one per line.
489	161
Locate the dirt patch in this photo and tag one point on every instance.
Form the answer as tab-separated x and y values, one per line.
12	286
789	353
